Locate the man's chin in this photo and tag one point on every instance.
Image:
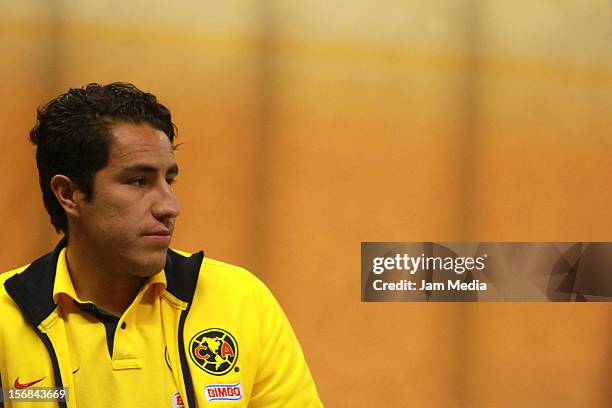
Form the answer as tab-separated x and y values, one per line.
148	265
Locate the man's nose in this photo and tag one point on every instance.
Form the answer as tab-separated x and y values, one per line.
167	205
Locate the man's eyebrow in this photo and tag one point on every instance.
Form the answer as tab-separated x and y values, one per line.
145	168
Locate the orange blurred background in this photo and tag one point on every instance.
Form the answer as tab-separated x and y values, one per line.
310	126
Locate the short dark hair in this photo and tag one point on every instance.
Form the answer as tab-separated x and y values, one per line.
73	135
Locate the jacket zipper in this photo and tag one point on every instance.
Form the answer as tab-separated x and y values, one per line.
191	401
56	371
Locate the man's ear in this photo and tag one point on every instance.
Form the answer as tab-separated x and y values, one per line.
67	194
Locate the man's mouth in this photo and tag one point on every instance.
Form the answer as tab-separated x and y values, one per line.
161	236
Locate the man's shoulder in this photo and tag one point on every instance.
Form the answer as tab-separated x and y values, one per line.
4	276
7	305
213	270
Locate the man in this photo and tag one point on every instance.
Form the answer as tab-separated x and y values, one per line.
113	315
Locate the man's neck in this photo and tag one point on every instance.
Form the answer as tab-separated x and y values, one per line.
98	281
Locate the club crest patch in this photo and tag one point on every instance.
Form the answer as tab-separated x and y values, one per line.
214	351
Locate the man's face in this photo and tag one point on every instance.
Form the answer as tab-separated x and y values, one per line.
130	218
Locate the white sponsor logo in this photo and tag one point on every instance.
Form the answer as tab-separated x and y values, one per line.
223	392
177	401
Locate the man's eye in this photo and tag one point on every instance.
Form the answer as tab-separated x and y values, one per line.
171	181
140	181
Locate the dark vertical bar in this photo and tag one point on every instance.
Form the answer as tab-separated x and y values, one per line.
53	52
262	178
470	111
467	193
50	74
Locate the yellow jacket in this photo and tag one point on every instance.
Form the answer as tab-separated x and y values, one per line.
204	299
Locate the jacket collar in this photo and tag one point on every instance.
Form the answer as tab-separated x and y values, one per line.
32	289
